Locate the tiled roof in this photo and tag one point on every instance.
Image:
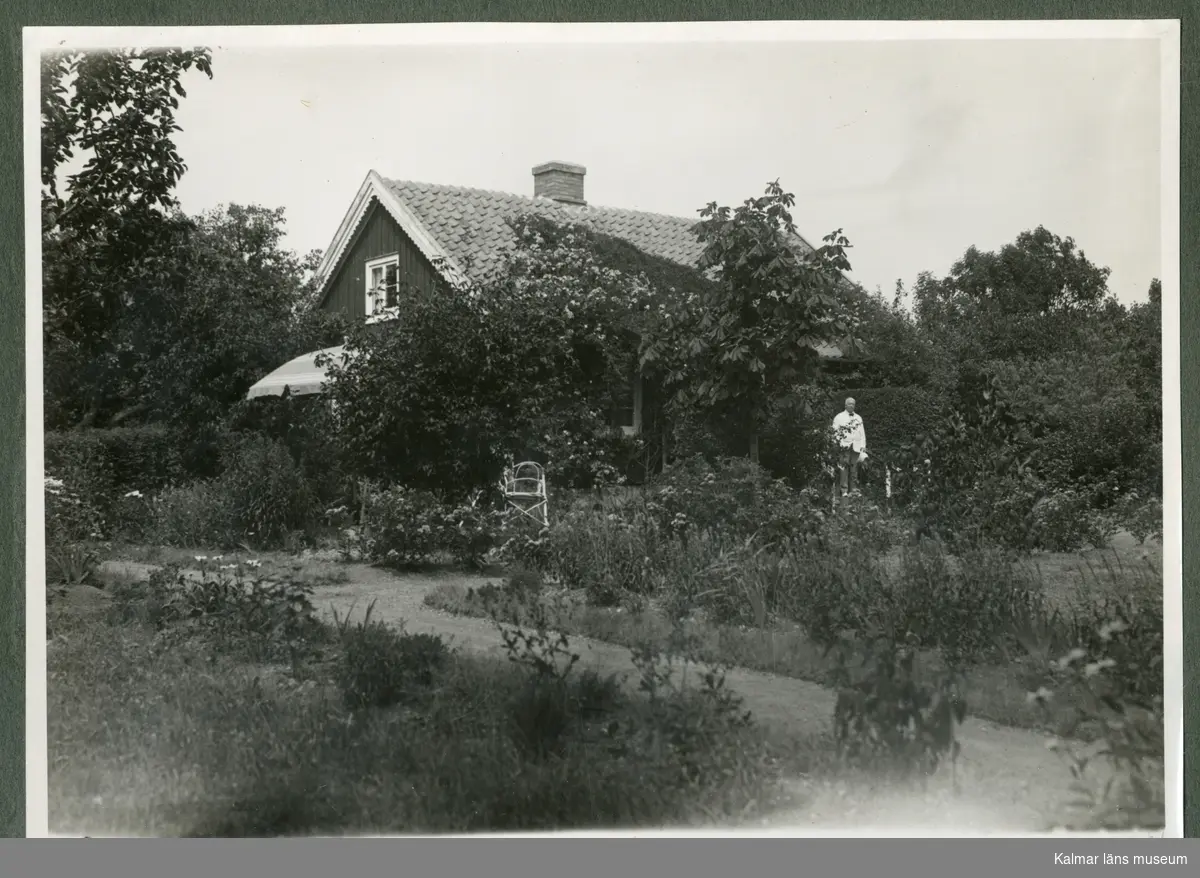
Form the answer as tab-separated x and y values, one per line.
469	226
470	223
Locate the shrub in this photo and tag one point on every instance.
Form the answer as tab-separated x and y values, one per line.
471	532
734	495
409	528
381	665
706	729
827	592
305	425
196	515
1090	422
713	572
542	714
863	526
70	565
1125	622
963	606
580	449
71	514
523	543
1141	516
132	517
1126	717
267	493
524	581
886	721
542	717
260	498
973	479
1066	520
229	606
795	436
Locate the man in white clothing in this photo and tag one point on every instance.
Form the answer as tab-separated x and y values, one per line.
851	437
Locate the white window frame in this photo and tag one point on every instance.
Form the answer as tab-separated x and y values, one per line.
371	264
637	408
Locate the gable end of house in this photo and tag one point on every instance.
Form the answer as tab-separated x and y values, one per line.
377	239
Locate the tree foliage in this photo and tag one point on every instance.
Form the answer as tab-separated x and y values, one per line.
111	115
1032	328
212	306
221	311
115	111
757	330
1027	298
118	107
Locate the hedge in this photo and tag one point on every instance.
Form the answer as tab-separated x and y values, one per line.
107	463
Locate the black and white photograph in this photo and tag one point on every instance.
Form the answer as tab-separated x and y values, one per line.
685	429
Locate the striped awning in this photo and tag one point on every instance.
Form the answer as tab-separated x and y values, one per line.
300	376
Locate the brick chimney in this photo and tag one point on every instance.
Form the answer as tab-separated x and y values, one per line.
561	181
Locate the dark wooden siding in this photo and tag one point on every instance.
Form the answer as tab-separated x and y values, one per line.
378	235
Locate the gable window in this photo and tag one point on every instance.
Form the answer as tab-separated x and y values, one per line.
382	283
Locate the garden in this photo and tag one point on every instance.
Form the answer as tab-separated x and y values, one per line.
960	585
318	614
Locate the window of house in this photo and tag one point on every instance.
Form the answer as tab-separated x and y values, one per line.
382	283
627	405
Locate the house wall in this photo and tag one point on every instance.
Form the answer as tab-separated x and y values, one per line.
378	235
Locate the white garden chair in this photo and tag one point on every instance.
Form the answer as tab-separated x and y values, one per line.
524	487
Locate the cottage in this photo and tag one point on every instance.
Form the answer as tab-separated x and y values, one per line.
400	235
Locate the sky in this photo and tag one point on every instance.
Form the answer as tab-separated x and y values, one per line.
916	149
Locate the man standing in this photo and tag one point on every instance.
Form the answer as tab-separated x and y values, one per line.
851	437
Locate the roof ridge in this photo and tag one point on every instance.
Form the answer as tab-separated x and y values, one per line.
538	199
569	208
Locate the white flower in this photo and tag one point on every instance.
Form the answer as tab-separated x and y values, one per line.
254	563
134	494
200	558
1108	629
227	567
1041	696
1071	657
1094	668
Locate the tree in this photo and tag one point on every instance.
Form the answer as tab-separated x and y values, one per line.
1025	298
211	315
120	107
116	109
730	348
1080	372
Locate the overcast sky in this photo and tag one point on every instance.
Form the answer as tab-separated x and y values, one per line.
916	149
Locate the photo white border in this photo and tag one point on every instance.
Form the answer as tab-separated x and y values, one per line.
39	39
